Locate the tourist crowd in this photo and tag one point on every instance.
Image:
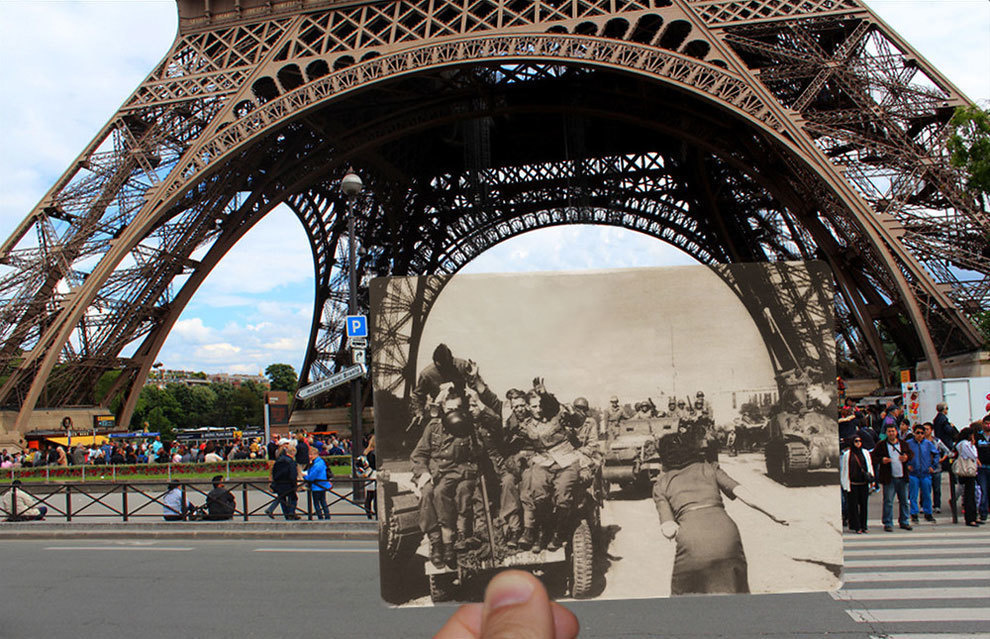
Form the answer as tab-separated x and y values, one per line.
885	452
155	451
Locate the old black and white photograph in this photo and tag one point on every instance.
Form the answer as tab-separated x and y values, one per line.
620	434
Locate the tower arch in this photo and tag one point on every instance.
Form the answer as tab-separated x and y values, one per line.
209	140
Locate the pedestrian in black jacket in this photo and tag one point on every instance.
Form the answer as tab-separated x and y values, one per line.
284	480
891	457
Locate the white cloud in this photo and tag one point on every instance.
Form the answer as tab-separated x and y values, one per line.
69	65
214	352
272	254
954	35
286	344
192	330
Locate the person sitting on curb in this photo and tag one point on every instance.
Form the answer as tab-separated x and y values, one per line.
172	503
220	503
18	505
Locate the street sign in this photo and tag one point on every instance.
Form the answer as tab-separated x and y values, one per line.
357	342
348	374
360	356
357	326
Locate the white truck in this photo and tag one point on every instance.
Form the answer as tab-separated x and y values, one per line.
968	399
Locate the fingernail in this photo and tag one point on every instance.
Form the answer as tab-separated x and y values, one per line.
507	589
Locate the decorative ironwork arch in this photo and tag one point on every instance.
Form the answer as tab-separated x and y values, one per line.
850	117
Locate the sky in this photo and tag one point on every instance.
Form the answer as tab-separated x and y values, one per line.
68	65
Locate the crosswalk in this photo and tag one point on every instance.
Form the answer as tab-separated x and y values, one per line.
929	583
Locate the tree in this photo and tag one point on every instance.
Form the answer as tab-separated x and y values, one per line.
282	377
969	144
983	323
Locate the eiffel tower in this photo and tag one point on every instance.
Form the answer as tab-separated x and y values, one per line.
736	130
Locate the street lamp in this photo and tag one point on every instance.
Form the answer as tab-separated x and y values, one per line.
351	187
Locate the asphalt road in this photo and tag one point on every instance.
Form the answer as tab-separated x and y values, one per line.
194	588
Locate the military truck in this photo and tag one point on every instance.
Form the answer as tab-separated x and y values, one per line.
800	442
574	567
630	454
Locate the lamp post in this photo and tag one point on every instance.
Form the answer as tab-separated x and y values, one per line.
351	186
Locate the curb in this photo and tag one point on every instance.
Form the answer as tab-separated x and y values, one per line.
27	531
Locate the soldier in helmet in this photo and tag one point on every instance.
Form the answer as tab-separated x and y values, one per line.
551	478
702	406
445	470
586	430
644	410
703	428
447	370
502	447
613	416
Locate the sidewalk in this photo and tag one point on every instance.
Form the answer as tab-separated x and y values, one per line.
360	529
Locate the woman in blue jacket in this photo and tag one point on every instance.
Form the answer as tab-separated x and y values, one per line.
316	479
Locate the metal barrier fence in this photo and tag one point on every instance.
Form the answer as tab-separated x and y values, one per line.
135	500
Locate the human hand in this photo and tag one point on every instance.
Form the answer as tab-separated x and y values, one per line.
669	529
539	386
472	369
517	606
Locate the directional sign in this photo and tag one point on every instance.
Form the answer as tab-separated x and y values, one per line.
348	374
357	326
360	356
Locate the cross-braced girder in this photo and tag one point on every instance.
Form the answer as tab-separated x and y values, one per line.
747	130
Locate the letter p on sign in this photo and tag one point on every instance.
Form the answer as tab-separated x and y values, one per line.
357	326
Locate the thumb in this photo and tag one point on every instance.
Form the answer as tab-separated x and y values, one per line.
516	607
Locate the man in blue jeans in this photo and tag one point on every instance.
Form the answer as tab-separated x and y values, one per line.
983	473
891	457
922	465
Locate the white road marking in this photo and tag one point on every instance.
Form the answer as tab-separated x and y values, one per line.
139	548
933	635
914	575
934	552
913	539
368	550
864	594
919	563
901	615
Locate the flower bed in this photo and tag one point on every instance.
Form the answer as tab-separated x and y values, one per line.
124	471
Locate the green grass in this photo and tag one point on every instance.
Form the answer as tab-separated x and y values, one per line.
107	475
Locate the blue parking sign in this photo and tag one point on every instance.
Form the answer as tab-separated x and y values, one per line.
357	326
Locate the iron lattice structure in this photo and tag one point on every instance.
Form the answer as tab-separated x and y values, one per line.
737	130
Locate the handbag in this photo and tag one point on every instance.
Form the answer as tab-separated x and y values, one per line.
964	467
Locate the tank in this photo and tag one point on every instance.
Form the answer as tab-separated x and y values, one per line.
799	443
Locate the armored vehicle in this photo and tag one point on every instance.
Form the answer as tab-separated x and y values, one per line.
800	442
572	570
630	455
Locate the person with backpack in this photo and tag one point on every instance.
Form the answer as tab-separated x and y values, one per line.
316	479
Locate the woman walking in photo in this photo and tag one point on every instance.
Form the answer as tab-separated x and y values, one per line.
688	497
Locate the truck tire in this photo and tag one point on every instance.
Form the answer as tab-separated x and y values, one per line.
442	587
582	561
